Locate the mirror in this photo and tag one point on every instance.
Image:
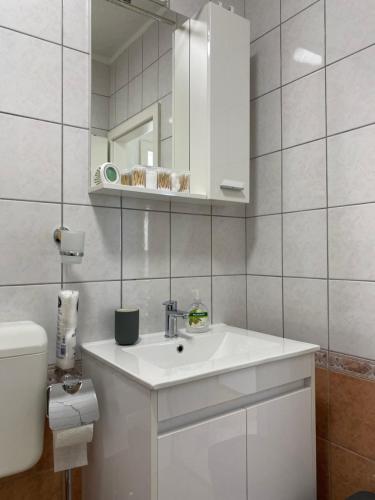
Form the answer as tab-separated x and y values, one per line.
131	105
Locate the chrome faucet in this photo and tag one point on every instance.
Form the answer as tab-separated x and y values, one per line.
171	316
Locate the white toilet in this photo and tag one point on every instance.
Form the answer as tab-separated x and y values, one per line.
23	378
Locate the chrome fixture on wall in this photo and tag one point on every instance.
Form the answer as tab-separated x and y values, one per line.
71	245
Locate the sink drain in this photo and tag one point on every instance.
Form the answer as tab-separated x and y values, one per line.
180	348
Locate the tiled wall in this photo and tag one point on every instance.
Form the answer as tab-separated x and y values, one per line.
44	119
310	249
308	272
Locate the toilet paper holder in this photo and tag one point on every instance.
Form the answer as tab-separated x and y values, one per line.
71	403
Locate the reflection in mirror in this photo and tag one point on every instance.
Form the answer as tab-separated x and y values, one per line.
131	108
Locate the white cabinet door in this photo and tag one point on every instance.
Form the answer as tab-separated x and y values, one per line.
281	448
206	461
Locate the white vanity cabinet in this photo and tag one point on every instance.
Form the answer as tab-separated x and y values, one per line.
242	434
206	461
281	448
266	450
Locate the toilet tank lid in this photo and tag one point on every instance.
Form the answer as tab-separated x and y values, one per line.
22	337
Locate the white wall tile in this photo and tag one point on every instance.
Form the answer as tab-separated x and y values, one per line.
291	7
30	89
265	185
351	173
146	244
305	244
182	290
228	245
352	242
350	27
352	317
112	111
102	228
76	88
100	111
264	305
190	208
76	170
112	78
303	43
135	58
191	245
304	177
265	124
97	305
135	96
28	251
165	74
350	96
150	85
100	78
263	14
305	310
76	24
304	103
149	296
151	45
32	303
121	66
166	159
165	38
229	210
264	245
121	105
30	153
265	64
166	117
145	204
40	18
229	300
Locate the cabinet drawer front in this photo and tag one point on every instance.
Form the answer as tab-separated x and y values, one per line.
211	391
206	461
281	448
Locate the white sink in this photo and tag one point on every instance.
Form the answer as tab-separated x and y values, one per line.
159	362
181	352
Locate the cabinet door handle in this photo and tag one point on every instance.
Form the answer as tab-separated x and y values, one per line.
233	185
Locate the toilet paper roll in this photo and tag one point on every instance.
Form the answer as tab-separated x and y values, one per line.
70	447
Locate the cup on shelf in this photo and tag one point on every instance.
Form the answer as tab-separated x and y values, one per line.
138	176
164	176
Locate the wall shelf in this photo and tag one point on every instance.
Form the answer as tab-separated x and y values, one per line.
137	192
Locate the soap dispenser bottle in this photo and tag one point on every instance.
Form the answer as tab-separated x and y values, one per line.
197	320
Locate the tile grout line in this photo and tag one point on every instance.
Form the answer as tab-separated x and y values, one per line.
130	209
281	180
13	30
46	283
284	21
44	120
121	253
327	244
62	137
327	179
211	269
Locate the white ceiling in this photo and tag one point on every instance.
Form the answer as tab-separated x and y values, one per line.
113	27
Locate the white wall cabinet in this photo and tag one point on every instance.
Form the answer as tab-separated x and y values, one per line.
212	103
